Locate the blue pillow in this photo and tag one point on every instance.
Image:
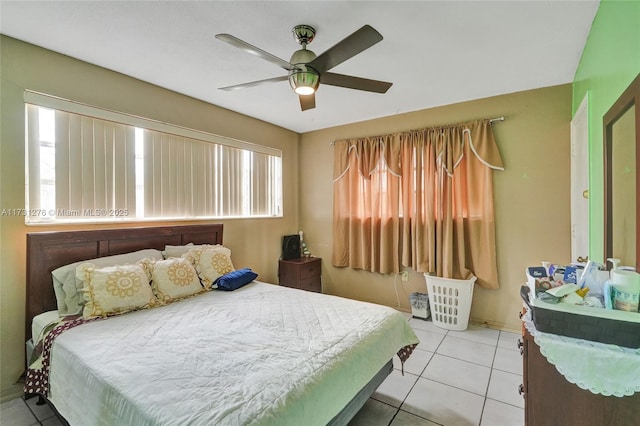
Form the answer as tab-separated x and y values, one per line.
235	279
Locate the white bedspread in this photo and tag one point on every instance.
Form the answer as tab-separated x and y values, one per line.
262	354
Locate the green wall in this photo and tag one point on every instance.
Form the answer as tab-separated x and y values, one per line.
610	61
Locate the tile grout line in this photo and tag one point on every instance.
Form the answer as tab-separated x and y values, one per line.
492	368
40	421
419	376
35	418
486	392
505	403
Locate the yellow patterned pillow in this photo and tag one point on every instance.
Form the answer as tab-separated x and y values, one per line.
115	289
174	278
211	262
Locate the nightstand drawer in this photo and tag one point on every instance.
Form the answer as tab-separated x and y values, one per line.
312	284
310	269
303	273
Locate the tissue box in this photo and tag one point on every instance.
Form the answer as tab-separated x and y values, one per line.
581	322
534	273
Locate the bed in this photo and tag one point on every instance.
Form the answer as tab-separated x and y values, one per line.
261	354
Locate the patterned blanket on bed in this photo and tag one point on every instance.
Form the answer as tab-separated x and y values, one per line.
37	376
405	353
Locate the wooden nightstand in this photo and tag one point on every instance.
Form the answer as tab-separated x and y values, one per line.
303	273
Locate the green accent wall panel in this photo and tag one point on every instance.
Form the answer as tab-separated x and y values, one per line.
609	63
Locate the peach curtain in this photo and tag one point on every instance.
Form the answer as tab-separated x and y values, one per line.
422	199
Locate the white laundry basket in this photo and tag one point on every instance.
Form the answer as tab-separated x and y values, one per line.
450	301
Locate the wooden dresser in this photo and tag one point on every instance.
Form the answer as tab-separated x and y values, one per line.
303	273
549	399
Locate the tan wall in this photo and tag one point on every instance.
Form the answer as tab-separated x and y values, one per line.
531	196
532	210
254	243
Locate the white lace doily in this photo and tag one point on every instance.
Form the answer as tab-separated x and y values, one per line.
597	367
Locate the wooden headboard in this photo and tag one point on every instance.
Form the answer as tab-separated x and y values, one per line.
47	251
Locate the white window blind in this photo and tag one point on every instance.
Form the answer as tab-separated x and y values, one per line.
81	167
187	176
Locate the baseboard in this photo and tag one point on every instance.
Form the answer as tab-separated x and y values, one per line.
12	392
496	325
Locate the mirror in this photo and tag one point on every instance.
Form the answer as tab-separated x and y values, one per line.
622	180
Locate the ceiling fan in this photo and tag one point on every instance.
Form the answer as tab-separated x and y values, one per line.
306	70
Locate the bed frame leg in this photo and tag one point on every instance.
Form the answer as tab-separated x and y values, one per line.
41	400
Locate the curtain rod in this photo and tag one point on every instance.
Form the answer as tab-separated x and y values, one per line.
491	120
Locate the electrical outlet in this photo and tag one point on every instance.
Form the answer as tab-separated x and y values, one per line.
404	275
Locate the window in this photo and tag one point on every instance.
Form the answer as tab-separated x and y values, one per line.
85	164
421	199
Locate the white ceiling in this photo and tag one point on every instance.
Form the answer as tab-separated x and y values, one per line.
435	52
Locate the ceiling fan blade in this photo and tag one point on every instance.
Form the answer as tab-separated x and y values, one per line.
307	101
236	42
350	46
254	83
351	82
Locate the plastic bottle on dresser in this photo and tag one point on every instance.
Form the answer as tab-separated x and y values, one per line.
624	288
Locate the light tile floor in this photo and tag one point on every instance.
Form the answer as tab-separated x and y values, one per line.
19	412
453	378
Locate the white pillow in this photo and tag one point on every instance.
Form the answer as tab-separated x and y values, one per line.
115	290
178	251
68	288
211	262
173	279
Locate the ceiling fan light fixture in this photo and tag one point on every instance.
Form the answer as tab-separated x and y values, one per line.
304	82
305	69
